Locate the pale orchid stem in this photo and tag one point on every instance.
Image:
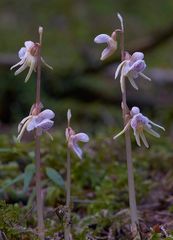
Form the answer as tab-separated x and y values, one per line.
131	185
22	130
123	131
67	231
39	195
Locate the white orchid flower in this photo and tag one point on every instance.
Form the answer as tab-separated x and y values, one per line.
73	138
111	44
138	122
132	67
28	56
41	121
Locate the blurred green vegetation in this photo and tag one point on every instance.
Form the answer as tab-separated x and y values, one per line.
94	189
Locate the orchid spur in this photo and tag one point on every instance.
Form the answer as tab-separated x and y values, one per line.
28	56
138	122
40	121
132	67
73	138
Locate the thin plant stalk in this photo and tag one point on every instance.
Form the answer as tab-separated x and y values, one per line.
68	188
131	185
39	196
68	197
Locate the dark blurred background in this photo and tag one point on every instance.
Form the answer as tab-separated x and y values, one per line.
79	80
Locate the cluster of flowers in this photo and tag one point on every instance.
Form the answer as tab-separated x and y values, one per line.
131	68
42	120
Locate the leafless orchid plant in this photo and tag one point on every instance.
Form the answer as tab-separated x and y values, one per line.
37	121
72	145
130	68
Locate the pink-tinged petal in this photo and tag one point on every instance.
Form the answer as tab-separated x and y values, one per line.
136	56
45	125
22	53
102	38
29	44
46	114
81	137
31	125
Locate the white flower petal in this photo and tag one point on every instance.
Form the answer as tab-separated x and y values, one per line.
123	131
47	65
144	76
22	53
32	66
134	111
46	114
45	125
83	137
151	131
17	64
136	134
102	38
78	151
22	122
31	125
28	44
21	69
136	56
156	125
133	83
144	139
